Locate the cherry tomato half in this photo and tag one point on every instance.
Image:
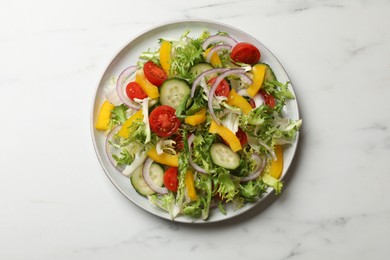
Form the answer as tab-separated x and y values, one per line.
134	90
241	135
163	121
170	179
269	100
154	74
223	88
246	53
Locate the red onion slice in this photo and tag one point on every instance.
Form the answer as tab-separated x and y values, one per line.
193	164
269	149
237	71
153	186
109	151
203	75
121	84
216	49
260	165
217	39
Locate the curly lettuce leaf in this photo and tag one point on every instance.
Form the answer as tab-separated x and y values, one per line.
200	207
273	182
201	150
118	116
224	185
266	128
252	190
182	170
279	91
186	53
204	186
166	202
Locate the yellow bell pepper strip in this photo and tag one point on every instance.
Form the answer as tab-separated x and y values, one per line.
104	116
164	158
238	101
230	138
165	56
276	167
190	186
197	118
124	131
258	72
150	89
215	60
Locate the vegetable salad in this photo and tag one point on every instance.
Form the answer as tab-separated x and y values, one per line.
198	124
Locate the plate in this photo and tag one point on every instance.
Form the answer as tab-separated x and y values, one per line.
128	55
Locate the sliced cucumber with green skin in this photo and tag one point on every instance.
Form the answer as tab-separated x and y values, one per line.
223	156
172	92
269	74
139	184
199	68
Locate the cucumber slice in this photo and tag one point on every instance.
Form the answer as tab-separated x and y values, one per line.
139	184
269	74
199	68
172	92
223	156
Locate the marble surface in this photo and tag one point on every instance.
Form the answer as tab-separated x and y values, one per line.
57	203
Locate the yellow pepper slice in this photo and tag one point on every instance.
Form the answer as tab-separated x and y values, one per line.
150	89
165	56
104	116
190	186
230	138
164	158
238	101
197	118
124	131
276	167
258	72
215	60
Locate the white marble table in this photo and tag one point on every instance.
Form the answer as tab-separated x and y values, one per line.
57	203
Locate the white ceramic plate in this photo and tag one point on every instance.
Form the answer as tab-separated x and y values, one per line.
128	56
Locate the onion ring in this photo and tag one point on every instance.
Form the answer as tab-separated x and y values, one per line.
216	49
237	71
148	179
203	75
109	138
219	38
260	165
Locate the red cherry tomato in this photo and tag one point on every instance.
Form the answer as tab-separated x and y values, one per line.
241	135
223	88
170	179
246	53
163	121
134	90
154	74
269	100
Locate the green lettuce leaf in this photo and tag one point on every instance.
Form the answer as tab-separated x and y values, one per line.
252	190
273	182
118	116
